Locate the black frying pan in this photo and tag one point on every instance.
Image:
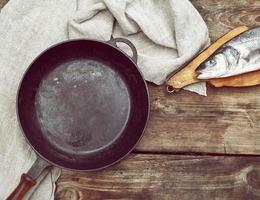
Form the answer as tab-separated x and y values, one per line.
82	105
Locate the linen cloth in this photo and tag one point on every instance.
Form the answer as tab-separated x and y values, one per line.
166	34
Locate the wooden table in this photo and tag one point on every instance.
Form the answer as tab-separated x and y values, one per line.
194	147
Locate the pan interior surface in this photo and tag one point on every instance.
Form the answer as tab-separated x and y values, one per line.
82	105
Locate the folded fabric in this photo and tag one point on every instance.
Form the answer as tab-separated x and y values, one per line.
27	28
166	34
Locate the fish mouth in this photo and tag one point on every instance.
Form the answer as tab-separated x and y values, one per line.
201	68
203	76
208	63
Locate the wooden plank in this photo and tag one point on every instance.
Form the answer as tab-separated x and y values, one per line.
228	120
224	15
166	177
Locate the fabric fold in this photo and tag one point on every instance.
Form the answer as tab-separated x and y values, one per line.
27	28
166	33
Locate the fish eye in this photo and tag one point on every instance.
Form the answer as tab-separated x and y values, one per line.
211	62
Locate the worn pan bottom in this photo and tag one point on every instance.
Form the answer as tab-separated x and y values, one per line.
82	105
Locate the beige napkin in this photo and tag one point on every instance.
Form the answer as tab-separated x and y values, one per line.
166	33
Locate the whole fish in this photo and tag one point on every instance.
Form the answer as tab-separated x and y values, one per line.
238	56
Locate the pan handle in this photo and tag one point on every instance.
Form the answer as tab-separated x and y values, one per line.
113	42
28	180
25	184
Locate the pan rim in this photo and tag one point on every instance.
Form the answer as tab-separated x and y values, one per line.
38	154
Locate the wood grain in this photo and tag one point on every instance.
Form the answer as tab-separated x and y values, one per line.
228	119
166	177
224	15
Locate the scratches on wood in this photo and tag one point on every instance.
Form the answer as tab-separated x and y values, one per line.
187	122
167	177
69	193
225	15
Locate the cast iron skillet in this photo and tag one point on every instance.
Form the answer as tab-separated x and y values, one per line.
82	105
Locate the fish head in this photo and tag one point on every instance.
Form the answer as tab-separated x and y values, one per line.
213	67
220	64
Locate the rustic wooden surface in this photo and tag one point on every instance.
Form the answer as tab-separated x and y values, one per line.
228	120
225	122
166	177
